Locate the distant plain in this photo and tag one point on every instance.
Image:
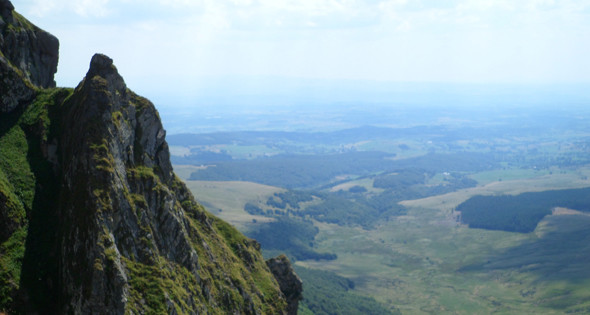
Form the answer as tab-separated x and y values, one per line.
426	260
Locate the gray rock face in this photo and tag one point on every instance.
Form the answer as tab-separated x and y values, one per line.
116	142
28	48
14	90
290	284
128	225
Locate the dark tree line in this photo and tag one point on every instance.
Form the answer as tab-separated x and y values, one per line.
520	213
327	293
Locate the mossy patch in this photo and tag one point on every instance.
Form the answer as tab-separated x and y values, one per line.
152	286
13	207
141	103
232	269
102	156
117	117
17	170
104	199
141	172
231	235
11	256
28	184
138	201
22	23
44	110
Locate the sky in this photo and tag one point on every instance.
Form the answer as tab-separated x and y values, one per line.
190	47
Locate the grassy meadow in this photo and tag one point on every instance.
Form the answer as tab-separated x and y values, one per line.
227	199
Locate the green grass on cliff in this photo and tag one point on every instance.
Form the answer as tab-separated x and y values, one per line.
23	23
232	273
11	256
16	168
28	185
229	260
17	188
153	285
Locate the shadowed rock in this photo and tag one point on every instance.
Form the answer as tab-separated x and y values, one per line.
291	285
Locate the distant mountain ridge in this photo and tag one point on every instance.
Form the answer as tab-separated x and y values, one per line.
92	218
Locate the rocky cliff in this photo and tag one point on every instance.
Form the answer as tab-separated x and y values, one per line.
28	58
289	282
92	217
29	48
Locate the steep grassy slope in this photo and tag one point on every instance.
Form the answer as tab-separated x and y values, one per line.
27	189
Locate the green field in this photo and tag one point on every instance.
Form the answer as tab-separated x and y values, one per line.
184	171
427	263
227	199
511	174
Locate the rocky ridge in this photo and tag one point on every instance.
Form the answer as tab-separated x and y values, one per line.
93	218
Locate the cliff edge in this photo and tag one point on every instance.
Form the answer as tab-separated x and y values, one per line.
92	218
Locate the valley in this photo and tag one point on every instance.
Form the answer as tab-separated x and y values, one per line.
378	207
425	262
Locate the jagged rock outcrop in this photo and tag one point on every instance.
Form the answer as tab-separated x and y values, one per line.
32	50
97	222
290	284
124	213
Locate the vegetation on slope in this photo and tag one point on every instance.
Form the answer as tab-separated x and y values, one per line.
342	207
28	185
292	236
326	293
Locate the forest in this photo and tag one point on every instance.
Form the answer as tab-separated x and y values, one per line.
309	171
332	294
293	237
520	213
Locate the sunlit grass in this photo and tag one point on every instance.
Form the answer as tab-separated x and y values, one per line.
227	199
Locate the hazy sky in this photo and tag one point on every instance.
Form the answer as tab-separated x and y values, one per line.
155	42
